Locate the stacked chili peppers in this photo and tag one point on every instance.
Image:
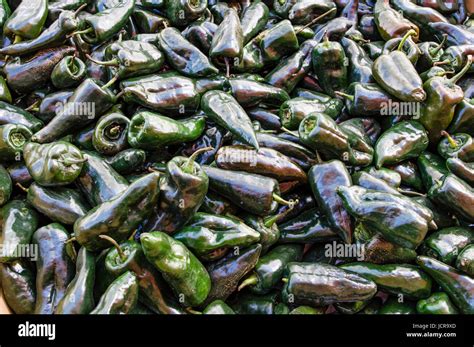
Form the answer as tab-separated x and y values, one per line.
254	157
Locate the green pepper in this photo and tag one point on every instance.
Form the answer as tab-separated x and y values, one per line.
19	287
329	64
253	19
119	217
148	22
5	94
164	93
455	194
432	167
319	284
463	170
51	103
360	64
149	130
391	177
13	138
370	182
409	174
98	181
226	273
127	161
269	269
78	298
397	279
399	219
53	164
252	93
110	133
379	251
435	71
200	34
456	284
276	42
68	72
16	115
227	43
308	227
183	12
218	307
120	297
391	23
226	112
406	45
259	304
266	227
104	25
407	139
88	101
463	119
55	269
183	56
465	260
180	268
459	146
216	204
303	12
431	54
27	20
442	97
6	186
394	306
446	244
60	204
153	290
437	303
18	223
293	111
27	74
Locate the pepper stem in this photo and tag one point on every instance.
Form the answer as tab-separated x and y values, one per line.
288	131
190	310
347	96
270	220
110	83
17	39
410	192
410	33
452	142
33	105
442	62
439	46
71	161
461	73
250	281
315	20
284	279
80	32
76	12
19	185
189	164
282	201
72	239
112	62
115	244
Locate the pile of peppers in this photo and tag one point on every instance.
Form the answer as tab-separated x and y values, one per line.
237	157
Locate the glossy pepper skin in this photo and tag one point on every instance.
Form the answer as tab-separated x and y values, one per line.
13	138
446	244
269	269
153	290
27	74
252	93
442	96
319	284
110	132
53	164
120	297
329	64
184	56
253	193
403	279
454	194
183	188
360	64
463	118
266	161
253	19
324	179
55	269
79	298
105	24
405	140
259	304
68	72
293	111
16	115
200	34
266	227
464	171
465	260
210	236
409	174
396	217
150	130
119	217
19	287
432	168
127	161
6	186
456	284
18	222
393	306
183	12
180	268
218	307
61	204
391	23
437	303
27	20
226	273
226	112
98	98
51	103
98	181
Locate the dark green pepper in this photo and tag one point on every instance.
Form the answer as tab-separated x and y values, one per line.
252	93
437	303
463	119
53	164
19	287
78	298
27	20
120	297
183	12
180	268
51	104
293	111
446	244
68	72
55	269
395	306
200	34
465	260
119	217
218	307
266	227
253	19
127	161
13	138
379	251
259	304
432	168
110	133
463	170
6	186
149	23
391	23
459	146
16	115
360	64
409	174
